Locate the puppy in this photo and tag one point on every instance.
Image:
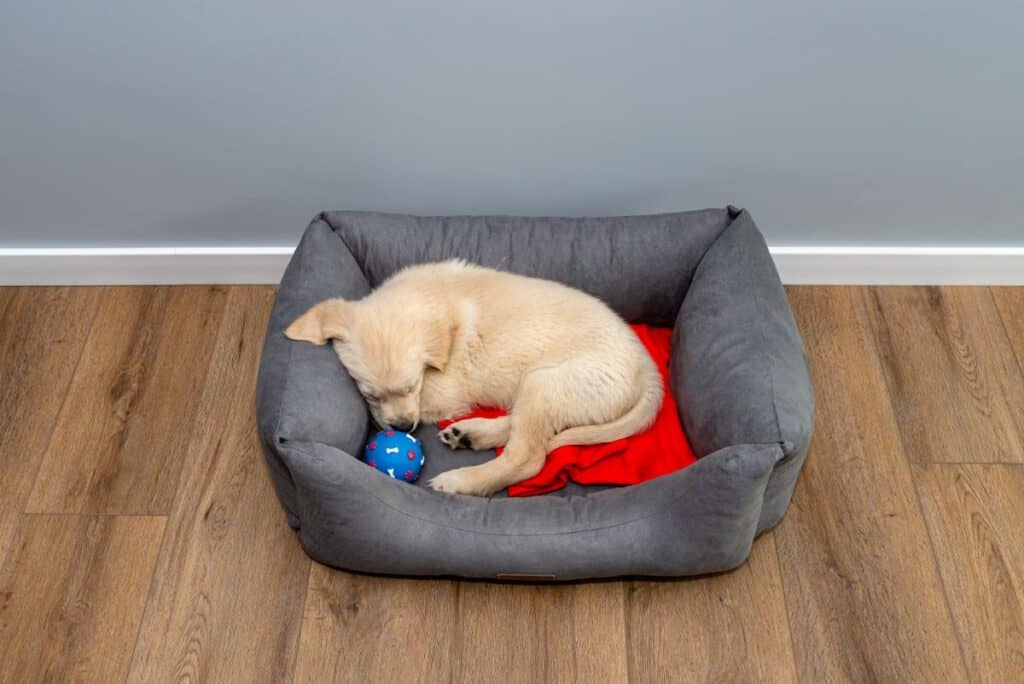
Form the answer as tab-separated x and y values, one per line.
437	340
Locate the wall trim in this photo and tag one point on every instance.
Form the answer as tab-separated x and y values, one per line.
798	265
143	265
873	265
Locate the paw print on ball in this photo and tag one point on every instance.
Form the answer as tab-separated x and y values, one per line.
396	454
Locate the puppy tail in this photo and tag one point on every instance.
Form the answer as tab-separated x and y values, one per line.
637	419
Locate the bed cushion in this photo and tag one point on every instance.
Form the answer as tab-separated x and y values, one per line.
738	373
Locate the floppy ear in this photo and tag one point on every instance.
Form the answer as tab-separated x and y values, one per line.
439	344
328	320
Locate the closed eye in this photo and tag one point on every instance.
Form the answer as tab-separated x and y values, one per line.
404	390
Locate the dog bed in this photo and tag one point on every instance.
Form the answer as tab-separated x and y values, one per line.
738	374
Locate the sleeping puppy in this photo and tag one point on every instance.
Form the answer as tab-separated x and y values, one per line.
437	340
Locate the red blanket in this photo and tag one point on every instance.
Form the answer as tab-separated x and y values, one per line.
661	449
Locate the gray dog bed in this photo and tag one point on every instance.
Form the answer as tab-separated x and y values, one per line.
738	372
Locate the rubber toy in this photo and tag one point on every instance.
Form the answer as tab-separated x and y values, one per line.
394	453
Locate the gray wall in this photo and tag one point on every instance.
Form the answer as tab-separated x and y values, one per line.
143	123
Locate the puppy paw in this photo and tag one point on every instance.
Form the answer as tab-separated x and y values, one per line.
479	434
455	437
451	482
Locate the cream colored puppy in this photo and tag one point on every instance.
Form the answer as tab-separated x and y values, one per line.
437	340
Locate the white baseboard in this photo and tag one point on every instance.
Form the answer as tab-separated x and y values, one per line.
798	265
810	265
143	265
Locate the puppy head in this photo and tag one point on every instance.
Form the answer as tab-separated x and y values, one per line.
385	349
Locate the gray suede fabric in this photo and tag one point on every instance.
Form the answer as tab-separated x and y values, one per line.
738	373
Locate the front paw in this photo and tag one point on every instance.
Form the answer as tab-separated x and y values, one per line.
460	481
450	482
455	438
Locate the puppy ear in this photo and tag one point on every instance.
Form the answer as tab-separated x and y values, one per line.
439	344
328	320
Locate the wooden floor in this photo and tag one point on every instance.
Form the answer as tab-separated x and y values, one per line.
140	539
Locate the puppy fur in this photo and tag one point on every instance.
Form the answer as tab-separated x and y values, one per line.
437	340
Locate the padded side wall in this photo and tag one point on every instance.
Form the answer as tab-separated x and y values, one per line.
639	265
303	392
698	520
738	367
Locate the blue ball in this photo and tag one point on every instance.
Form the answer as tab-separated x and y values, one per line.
394	453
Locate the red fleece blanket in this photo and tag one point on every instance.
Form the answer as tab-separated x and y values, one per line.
662	449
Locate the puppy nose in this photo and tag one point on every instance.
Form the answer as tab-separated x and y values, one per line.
402	425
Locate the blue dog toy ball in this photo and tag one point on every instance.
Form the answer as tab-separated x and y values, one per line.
394	453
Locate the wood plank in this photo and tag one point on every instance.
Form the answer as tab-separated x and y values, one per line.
6	295
539	633
9	520
863	593
729	627
599	622
42	332
955	384
976	515
515	633
228	592
1010	303
359	628
72	594
119	441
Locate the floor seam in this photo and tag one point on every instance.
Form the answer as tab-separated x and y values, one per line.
1006	335
627	603
92	514
785	602
938	563
302	621
960	463
1006	331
